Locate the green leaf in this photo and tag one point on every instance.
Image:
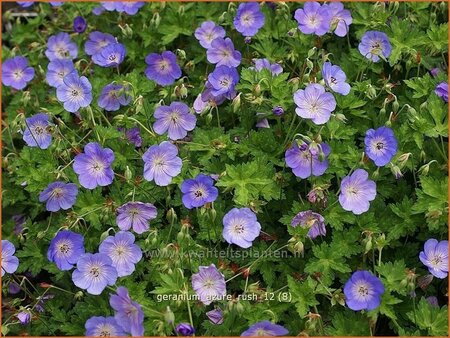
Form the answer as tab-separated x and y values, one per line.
249	181
302	295
432	319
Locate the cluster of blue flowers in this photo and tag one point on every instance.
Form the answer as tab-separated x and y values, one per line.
117	255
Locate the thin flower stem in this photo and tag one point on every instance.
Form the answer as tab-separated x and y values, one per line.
188	305
145	128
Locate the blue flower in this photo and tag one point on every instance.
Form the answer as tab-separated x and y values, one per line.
381	145
94	272
363	291
59	195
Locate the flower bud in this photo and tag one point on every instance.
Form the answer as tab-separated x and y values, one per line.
155	20
171	215
311	52
257	89
78	295
423	170
371	93
169	316
340	117
126	30
395	105
79	25
247	40
278	110
396	171
105	234
403	158
128	174
236	104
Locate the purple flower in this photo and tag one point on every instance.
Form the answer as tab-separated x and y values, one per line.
25	4
363	291
94	166
381	145
314	103
135	215
161	163
10	262
162	68
198	191
19	221
265	328
306	159
434	72
122	251
97	42
14	288
209	284
24	317
263	123
334	78
249	19
98	10
109	5
59	195
41	302
442	91
313	18
129	7
57	70
435	257
113	97
278	110
16	73
75	92
340	18
312	221
37	132
176	119
261	64
134	136
222	53
207	32
215	316
185	329
94	272
375	44
129	313
357	191
79	24
60	46
103	327
240	227
221	82
110	56
433	301
65	249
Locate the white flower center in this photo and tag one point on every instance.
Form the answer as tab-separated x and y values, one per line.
17	74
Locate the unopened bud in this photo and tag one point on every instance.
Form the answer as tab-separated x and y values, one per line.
126	30
371	93
156	19
396	171
395	105
78	295
341	117
169	316
171	215
236	104
128	174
